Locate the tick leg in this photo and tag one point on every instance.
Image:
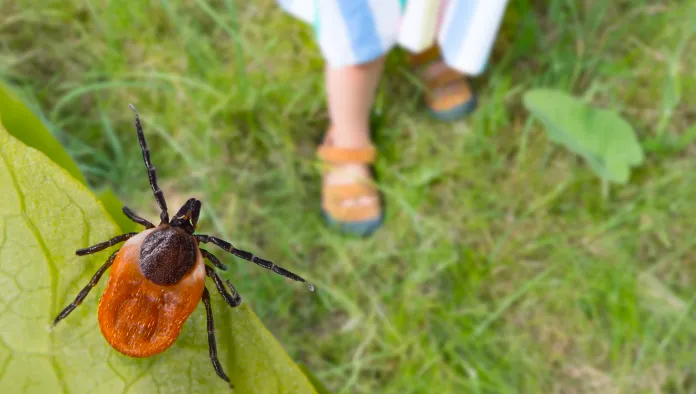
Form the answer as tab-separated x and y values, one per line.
134	217
213	260
83	293
226	246
211	338
113	241
152	175
233	300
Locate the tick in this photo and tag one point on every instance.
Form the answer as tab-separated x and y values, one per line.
158	277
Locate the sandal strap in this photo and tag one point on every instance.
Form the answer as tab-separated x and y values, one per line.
349	191
421	61
450	97
347	155
424	58
334	195
444	78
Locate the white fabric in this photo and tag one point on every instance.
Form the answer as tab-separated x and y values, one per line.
353	32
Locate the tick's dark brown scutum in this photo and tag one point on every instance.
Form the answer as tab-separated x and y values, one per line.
167	255
158	277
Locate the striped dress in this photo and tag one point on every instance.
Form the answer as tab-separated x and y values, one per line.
351	32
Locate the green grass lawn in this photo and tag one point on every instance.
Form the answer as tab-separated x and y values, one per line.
501	269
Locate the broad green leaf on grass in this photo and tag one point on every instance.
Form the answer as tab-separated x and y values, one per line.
24	125
45	215
605	140
114	207
259	363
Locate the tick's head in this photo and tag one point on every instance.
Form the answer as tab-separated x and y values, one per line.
187	217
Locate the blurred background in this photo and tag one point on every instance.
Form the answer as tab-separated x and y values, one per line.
506	264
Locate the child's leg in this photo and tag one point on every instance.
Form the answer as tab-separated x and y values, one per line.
351	93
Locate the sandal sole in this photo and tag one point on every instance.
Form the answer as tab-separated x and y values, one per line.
456	112
362	228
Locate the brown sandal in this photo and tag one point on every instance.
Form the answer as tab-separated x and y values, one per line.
359	219
448	93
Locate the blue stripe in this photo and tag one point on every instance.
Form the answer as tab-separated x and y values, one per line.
362	30
461	16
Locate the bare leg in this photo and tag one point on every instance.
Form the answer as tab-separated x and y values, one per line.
351	93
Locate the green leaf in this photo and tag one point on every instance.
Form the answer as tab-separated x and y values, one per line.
24	125
318	385
259	363
604	139
45	215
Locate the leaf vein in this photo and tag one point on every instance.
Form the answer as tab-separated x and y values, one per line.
6	364
51	264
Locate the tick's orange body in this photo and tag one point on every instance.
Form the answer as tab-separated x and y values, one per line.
138	317
158	277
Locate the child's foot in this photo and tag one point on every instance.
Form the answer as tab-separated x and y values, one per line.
449	95
349	199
